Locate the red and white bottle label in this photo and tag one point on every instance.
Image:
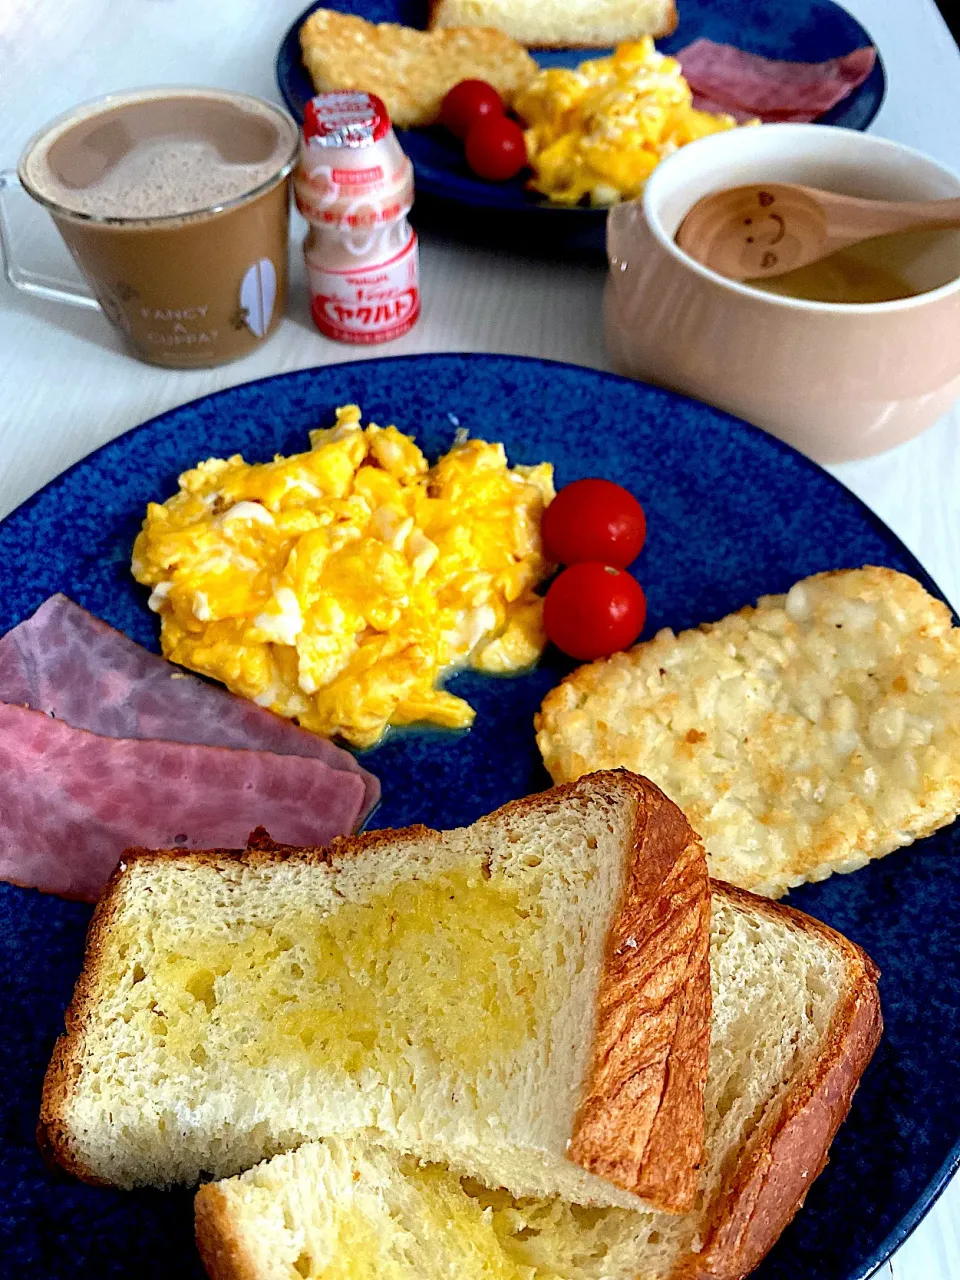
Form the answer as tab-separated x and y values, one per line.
345	118
367	303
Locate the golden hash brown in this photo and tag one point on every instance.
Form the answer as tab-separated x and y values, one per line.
804	736
410	70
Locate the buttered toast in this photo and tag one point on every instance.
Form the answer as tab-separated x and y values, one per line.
561	23
410	70
803	736
526	1000
796	1019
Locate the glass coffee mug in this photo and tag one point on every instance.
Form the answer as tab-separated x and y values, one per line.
175	205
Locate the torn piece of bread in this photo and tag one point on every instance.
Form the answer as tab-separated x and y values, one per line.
795	1021
526	999
545	24
804	736
410	70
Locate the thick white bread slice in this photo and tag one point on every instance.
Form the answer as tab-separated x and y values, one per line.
410	70
526	998
561	23
796	1019
804	736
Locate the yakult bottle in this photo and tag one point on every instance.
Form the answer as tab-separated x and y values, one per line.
354	185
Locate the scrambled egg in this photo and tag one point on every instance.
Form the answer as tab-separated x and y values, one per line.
337	587
600	131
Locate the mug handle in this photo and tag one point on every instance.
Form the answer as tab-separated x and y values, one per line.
27	281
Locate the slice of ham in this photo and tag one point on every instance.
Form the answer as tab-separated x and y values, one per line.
748	86
71	801
71	665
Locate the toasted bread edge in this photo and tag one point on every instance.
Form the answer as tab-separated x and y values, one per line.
665	903
769	1183
53	1136
221	1246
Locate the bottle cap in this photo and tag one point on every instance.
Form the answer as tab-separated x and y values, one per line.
345	119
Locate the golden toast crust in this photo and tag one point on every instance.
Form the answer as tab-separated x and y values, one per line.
641	1122
788	1150
221	1247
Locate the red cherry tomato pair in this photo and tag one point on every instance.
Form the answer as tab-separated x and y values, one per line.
474	112
594	608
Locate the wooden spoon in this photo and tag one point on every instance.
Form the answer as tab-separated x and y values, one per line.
766	229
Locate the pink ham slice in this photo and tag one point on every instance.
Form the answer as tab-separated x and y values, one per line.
72	801
68	663
746	85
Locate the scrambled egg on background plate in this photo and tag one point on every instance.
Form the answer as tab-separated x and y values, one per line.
601	130
338	586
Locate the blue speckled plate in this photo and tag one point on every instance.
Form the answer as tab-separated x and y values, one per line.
447	191
732	514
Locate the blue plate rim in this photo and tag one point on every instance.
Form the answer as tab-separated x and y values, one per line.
910	1221
951	1164
585	215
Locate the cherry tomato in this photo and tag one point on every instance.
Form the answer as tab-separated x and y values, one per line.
594	520
468	102
496	149
592	610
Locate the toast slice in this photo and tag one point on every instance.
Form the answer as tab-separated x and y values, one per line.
796	1019
526	999
410	70
546	24
803	736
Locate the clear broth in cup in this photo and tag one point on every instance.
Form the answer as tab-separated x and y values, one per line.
878	270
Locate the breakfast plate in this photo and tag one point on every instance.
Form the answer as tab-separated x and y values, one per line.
811	31
732	514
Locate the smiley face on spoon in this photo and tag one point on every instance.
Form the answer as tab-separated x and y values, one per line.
751	232
766	231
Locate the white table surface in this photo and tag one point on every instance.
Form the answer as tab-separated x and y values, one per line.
66	387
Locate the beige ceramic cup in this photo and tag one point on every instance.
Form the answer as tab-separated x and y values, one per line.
837	381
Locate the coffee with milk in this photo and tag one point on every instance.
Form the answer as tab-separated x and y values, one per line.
174	203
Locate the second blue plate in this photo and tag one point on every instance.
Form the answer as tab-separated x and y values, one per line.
450	197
